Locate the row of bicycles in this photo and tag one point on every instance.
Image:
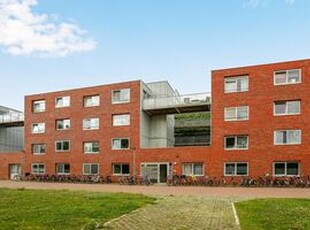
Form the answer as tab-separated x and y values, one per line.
263	181
135	180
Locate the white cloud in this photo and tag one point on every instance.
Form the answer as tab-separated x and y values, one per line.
255	3
23	32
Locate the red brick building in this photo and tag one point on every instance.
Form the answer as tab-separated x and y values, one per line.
260	125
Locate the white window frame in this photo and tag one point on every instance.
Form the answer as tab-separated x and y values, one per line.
287	135
192	165
38	166
287	113
41	128
121	119
285	168
287	76
121	138
65	126
91	123
236	142
42	106
90	142
236	78
235	168
235	118
62	141
40	146
121	169
94	100
120	101
65	102
90	164
63	173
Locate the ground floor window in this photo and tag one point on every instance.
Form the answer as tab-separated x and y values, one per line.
37	168
121	169
63	169
236	169
286	168
192	169
90	169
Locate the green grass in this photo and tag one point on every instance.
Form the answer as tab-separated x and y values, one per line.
274	214
45	209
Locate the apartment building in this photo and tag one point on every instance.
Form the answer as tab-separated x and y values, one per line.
259	125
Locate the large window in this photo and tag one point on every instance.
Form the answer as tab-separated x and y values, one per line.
237	113
120	143
91	101
286	107
286	168
63	169
287	137
90	169
236	169
91	147
38	149
121	120
62	102
236	84
62	146
284	77
192	169
37	168
121	96
90	123
63	124
236	142
38	128
38	106
121	169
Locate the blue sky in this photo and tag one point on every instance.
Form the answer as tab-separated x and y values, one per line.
63	44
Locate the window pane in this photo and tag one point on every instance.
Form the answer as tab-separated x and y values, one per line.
280	107
280	77
293	76
242	169
242	142
116	143
198	169
229	169
230	113
242	113
293	107
292	169
242	84
125	144
94	168
66	145
279	168
230	142
293	136
280	137
230	85
116	168
187	169
125	168
87	169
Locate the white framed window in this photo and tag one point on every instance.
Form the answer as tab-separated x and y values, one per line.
90	168
285	77
38	128
236	84
192	169
121	119
63	124
38	106
91	101
37	168
62	169
62	102
90	123
120	143
121	96
236	169
121	169
91	147
286	108
237	142
236	113
38	149
285	168
287	137
62	146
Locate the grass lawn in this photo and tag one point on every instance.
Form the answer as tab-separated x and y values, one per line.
274	214
46	209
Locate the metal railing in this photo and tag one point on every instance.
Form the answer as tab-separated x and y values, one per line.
11	117
177	101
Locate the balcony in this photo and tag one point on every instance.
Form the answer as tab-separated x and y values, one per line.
11	119
189	103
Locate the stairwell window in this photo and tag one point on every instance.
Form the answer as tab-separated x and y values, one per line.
62	102
236	142
286	108
236	169
287	137
120	143
285	168
91	101
236	84
236	113
192	169
121	96
90	123
38	128
285	77
38	106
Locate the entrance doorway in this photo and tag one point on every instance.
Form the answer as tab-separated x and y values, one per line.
156	172
14	170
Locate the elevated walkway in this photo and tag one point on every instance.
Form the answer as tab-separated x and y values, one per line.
12	120
188	103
